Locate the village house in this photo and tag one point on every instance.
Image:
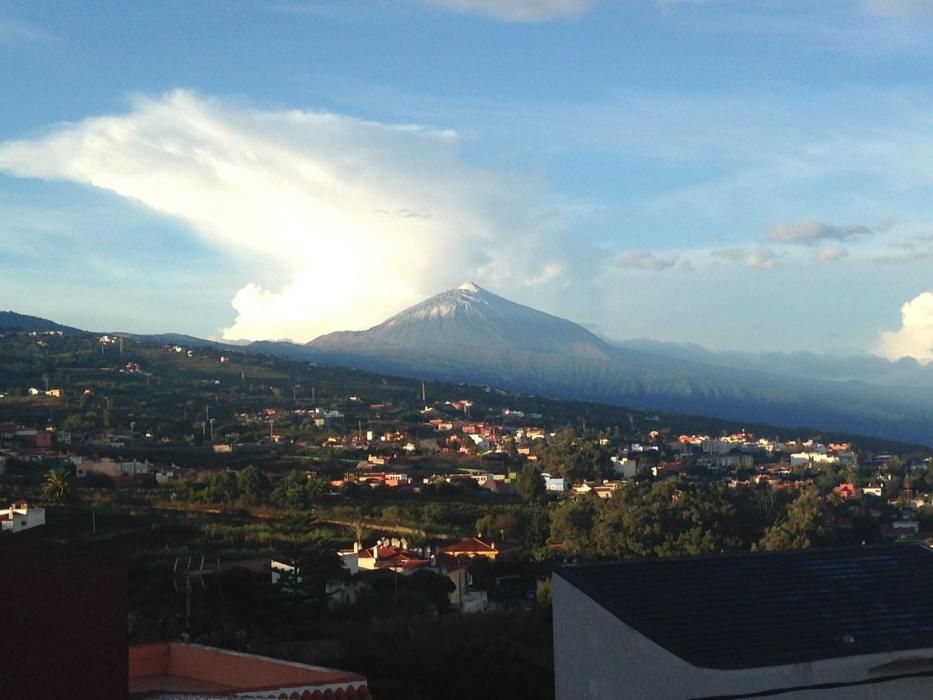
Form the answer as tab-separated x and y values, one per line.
21	516
470	548
393	556
848	492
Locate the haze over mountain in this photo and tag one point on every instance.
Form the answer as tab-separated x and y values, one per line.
870	369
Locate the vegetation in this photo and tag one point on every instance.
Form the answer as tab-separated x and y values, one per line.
277	481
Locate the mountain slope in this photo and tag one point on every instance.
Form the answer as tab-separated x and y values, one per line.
12	321
869	369
470	318
471	335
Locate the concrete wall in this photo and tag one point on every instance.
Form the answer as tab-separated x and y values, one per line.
597	656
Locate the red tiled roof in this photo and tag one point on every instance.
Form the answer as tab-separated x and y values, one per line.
473	544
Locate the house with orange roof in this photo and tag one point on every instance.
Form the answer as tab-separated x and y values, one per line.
386	556
848	492
470	548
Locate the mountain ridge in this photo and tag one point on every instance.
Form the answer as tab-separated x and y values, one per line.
471	316
473	336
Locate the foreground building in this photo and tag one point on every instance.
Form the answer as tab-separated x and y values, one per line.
176	671
829	624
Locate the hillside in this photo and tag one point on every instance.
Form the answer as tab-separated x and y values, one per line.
12	321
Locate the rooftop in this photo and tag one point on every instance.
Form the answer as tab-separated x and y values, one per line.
471	544
173	669
771	608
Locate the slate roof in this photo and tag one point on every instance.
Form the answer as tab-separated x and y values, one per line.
771	608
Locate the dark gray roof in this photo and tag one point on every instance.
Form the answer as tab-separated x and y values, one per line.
771	608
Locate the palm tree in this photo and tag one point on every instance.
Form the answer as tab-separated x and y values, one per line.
56	486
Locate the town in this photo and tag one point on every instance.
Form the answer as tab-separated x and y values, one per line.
332	500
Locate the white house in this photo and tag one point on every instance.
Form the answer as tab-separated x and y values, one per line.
797	624
554	484
21	516
626	466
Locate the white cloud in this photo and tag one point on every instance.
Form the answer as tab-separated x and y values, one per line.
518	10
915	336
815	231
900	8
355	219
752	258
646	260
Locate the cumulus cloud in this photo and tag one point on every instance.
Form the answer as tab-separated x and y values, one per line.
646	260
752	258
900	8
915	336
518	10
355	219
811	231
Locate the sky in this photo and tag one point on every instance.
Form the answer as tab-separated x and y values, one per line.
743	174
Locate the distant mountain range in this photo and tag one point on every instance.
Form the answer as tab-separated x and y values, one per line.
473	336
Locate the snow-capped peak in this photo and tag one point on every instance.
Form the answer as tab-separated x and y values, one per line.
470	287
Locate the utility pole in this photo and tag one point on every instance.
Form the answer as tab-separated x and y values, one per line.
212	429
423	394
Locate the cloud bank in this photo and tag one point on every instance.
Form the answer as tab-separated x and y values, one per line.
517	10
915	336
752	258
645	260
353	219
808	232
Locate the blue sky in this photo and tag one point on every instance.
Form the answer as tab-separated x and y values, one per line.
745	174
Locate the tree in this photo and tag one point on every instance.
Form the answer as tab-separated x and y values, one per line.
253	485
223	487
804	525
572	524
530	484
292	491
664	519
56	486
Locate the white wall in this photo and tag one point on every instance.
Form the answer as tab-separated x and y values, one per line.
597	656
